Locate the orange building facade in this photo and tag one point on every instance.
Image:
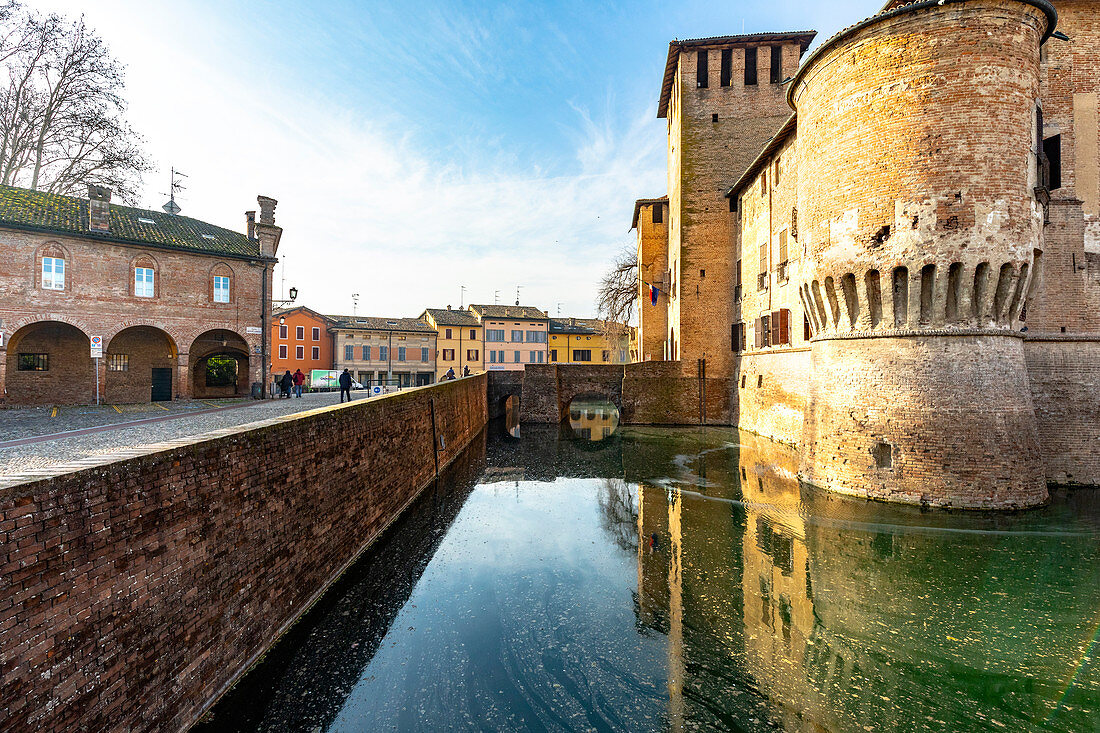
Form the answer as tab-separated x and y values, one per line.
300	340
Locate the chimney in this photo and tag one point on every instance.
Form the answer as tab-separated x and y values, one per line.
267	209
99	208
250	220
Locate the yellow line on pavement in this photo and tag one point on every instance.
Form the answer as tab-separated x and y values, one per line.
53	412
116	409
157	404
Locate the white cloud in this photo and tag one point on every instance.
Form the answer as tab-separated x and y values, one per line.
364	210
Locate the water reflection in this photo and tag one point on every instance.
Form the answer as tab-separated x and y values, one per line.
593	418
511	416
683	579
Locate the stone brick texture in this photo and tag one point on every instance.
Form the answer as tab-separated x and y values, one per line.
706	157
98	300
771	392
914	401
652	268
1070	86
135	591
646	393
1065	389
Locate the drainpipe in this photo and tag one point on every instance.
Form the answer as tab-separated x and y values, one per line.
389	357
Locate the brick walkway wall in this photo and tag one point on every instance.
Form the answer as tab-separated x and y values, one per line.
133	592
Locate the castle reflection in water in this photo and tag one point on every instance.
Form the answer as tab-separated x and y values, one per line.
846	614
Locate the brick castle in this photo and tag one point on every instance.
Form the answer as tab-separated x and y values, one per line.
903	275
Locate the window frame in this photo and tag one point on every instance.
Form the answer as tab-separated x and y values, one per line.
53	273
31	364
315	353
140	286
225	290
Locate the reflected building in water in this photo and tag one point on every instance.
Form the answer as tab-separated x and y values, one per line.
782	606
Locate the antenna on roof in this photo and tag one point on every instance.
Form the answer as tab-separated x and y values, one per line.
354	304
174	185
517	293
496	297
461	296
559	309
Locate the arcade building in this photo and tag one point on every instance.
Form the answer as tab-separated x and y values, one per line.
178	308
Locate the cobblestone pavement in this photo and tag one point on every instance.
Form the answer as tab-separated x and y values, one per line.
128	426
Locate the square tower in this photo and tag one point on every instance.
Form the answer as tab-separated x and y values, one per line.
724	98
651	222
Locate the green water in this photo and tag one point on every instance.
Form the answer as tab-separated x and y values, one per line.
683	580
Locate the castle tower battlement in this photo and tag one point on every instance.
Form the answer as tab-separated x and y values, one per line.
921	216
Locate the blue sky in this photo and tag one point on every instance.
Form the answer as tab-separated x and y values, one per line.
417	148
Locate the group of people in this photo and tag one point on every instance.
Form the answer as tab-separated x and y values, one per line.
291	383
451	373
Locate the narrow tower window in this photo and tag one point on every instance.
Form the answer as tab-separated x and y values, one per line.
981	289
658	213
750	66
701	69
1052	151
727	66
777	64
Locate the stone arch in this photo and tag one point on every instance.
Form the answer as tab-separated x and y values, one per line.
222	269
48	361
141	365
218	343
145	259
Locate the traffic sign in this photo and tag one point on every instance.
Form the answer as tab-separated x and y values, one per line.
97	347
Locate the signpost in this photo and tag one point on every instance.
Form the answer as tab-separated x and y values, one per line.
97	354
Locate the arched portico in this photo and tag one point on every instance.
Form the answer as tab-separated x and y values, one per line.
141	363
48	363
218	364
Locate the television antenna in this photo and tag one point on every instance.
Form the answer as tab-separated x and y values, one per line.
174	185
559	309
461	297
496	297
517	293
354	304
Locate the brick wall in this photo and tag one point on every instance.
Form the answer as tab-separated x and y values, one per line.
70	374
772	391
706	157
646	393
1065	389
135	591
652	268
98	300
920	420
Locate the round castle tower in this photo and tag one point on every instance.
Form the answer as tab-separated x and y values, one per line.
917	145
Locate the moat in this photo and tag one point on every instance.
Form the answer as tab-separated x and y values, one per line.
671	579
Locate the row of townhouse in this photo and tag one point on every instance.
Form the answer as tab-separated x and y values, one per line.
418	351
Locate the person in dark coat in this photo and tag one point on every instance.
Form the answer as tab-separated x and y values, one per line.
466	370
285	383
299	379
345	385
450	374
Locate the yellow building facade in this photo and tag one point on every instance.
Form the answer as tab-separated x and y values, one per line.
586	341
459	342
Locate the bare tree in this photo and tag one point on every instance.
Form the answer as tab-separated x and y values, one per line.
619	288
61	108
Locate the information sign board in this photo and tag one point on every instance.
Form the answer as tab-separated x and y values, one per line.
97	347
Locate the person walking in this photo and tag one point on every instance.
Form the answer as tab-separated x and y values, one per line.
345	385
299	379
285	383
466	370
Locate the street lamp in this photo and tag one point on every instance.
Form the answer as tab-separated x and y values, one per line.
285	301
